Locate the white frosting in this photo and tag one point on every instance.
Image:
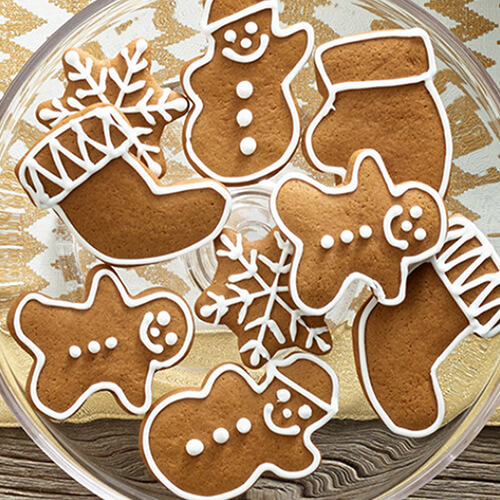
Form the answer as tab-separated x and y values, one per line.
163	318
305	412
246	43
346	236
194	447
251	28
111	342
144	332
230	36
416	212
154	332
420	234
94	347
250	58
406	226
287	413
327	241
243	425
244	118
365	232
171	339
221	435
248	145
283	395
75	352
244	89
293	430
391	214
334	89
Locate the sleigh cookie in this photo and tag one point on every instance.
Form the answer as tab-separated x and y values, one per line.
399	349
245	122
378	93
85	170
368	229
215	442
112	341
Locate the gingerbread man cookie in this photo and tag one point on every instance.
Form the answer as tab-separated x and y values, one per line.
85	170
250	294
125	82
378	93
112	341
245	123
399	349
215	442
367	229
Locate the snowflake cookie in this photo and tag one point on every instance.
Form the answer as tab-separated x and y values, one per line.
112	341
250	294
126	83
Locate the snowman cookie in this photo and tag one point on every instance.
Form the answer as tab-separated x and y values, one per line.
245	122
126	83
215	442
368	229
112	341
399	349
86	171
378	93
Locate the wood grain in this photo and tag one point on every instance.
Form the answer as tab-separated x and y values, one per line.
26	473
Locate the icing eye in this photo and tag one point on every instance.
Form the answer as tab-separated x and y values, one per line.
251	28
305	412
327	242
416	212
406	226
111	342
246	43
171	338
283	395
163	318
420	234
230	36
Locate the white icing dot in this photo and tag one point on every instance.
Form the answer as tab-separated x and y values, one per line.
205	311
221	435
420	234
346	236
248	145
171	338
244	89
287	413
305	412
416	212
246	43
155	332
327	242
365	232
194	447
406	226
283	395
163	318
230	36
71	57
244	118
75	352
94	347
251	28
111	342
244	425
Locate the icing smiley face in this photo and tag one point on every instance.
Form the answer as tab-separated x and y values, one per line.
154	329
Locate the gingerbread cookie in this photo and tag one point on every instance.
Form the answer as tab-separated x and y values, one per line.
245	123
378	94
367	229
85	171
125	82
112	341
218	440
250	294
399	349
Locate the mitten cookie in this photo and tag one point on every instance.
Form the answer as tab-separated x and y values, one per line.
245	123
368	229
399	349
125	82
250	294
85	171
218	440
112	341
378	93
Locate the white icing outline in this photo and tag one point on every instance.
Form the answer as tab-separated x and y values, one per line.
207	29
109	116
334	89
272	372
112	387
267	413
396	190
461	230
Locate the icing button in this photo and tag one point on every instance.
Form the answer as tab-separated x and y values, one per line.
94	347
75	352
111	342
346	236
244	425
244	89
327	242
248	146
221	435
244	118
365	232
171	338
194	447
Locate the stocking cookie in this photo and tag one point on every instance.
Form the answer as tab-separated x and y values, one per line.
85	171
245	123
378	93
367	229
215	442
112	341
399	349
250	294
126	83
